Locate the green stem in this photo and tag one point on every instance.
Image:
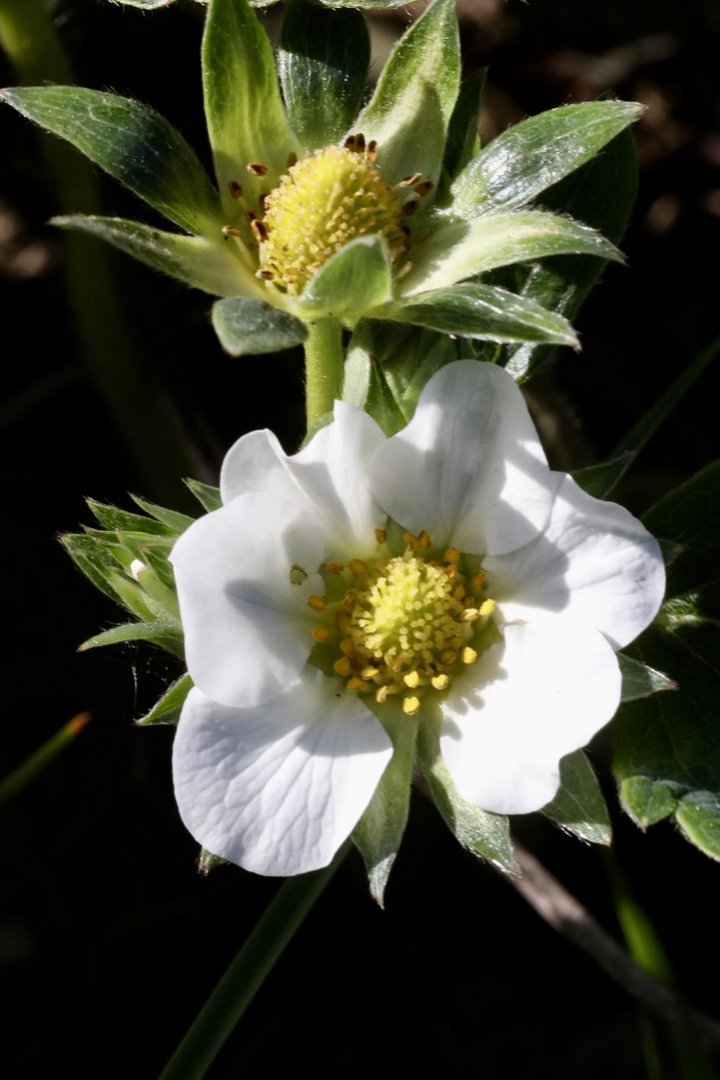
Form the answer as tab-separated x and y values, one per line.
38	761
247	972
659	411
142	417
323	368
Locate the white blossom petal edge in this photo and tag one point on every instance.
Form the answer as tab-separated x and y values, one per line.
446	568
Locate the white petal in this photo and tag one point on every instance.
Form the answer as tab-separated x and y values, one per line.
277	789
595	562
469	467
538	695
332	472
256	462
248	629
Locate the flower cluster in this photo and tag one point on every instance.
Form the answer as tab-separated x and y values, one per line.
368	587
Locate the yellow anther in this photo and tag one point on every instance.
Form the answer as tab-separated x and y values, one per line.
410	705
380	536
334	567
470	615
347	646
451	571
449	656
478	580
358	567
317	603
410	539
487	607
257	169
452	555
321	634
468	655
440	682
408	181
424	540
459	592
349	601
343	666
381	694
355	683
412	679
368	673
343	621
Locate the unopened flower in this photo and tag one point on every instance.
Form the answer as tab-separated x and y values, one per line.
347	595
328	209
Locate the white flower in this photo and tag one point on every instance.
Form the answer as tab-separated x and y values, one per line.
367	581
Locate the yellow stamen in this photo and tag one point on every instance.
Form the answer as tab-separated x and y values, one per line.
470	615
440	682
321	634
487	607
317	603
334	567
358	567
468	655
368	673
412	679
343	666
452	555
355	684
478	580
380	536
410	705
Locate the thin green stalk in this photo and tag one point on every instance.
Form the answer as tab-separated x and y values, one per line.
151	435
690	1061
323	369
648	424
247	972
38	761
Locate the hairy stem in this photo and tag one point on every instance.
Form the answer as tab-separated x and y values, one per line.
323	368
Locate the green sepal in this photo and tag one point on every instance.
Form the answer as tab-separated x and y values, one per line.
323	63
132	143
485	312
600	193
167	708
639	680
247	327
463	141
486	835
537	153
172	519
600	480
156	580
166	636
463	249
579	807
409	112
356	279
245	117
194	260
113	518
206	860
687	610
380	830
92	557
207	495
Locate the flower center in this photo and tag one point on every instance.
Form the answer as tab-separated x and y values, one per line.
401	624
322	203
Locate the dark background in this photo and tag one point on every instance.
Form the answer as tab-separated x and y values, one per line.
109	938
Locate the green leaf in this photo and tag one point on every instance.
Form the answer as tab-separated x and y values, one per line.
483	311
252	327
686	610
526	159
356	279
245	117
134	144
600	480
194	260
207	495
463	249
462	138
365	385
690	517
600	193
409	113
485	834
667	754
323	63
168	708
579	807
639	680
173	520
166	636
380	830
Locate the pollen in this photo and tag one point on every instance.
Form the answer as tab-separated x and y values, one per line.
322	203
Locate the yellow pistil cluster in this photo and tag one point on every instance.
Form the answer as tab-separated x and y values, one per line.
322	203
405	624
